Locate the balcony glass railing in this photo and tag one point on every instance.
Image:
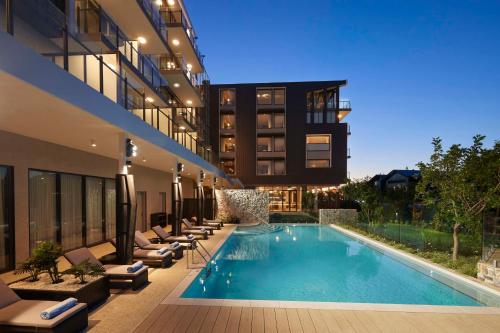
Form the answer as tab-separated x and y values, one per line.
58	42
344	104
177	18
152	11
90	19
177	63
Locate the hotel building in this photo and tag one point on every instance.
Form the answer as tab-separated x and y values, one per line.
81	80
285	138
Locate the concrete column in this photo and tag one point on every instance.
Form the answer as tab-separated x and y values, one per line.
122	155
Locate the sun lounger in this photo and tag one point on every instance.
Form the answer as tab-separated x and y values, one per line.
192	227
151	257
117	274
18	315
205	223
145	244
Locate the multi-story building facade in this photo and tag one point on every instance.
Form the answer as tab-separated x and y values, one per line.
79	79
284	138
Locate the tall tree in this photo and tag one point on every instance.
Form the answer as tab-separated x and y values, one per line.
461	183
367	196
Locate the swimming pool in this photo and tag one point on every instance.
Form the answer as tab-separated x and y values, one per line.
315	263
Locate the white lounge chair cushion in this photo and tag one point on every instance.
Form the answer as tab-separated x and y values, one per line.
151	254
27	313
116	270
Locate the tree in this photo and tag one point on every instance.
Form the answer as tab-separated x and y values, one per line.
460	184
366	195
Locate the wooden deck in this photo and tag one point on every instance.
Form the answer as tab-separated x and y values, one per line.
204	319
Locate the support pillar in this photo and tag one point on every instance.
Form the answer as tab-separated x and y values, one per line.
200	198
126	206
177	200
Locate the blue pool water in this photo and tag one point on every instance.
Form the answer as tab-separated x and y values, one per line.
315	263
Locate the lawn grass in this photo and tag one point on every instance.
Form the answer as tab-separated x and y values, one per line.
465	264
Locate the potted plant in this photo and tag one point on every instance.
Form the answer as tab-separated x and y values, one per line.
30	266
47	254
85	268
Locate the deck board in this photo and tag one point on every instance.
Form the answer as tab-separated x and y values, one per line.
269	320
258	320
305	320
222	319
198	320
294	321
210	319
233	322
246	320
281	321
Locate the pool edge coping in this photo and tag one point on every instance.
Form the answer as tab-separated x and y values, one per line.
174	298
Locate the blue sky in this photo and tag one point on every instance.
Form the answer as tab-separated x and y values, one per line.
416	69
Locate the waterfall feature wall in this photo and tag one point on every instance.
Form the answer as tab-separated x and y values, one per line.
249	206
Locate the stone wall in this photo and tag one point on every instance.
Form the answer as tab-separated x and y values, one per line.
249	206
337	216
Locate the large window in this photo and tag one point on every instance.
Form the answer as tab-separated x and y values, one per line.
279	144
6	219
318	151
264	144
42	207
228	166
227	97
271	167
71	210
264	120
331	102
94	210
270	96
227	121
279	120
227	144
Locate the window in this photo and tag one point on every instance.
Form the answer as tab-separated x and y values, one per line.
330	117
227	144
279	96
319	101
264	120
309	103
331	98
227	97
279	120
70	210
279	167
94	210
6	219
318	163
279	144
264	96
264	144
227	121
228	166
318	151
42	207
264	167
110	202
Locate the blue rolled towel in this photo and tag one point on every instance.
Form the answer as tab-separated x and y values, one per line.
59	308
135	267
174	245
162	250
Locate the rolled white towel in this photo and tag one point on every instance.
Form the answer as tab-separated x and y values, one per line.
162	250
59	308
203	229
135	267
190	236
174	245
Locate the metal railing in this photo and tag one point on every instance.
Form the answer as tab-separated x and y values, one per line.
177	63
153	13
344	104
90	19
73	55
177	18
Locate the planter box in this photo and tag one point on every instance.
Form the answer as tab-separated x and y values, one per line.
94	292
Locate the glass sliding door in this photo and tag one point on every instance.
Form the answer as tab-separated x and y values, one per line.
6	219
110	199
94	210
71	212
42	207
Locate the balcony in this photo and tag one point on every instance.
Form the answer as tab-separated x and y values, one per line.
101	34
45	25
186	118
140	18
186	84
182	37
